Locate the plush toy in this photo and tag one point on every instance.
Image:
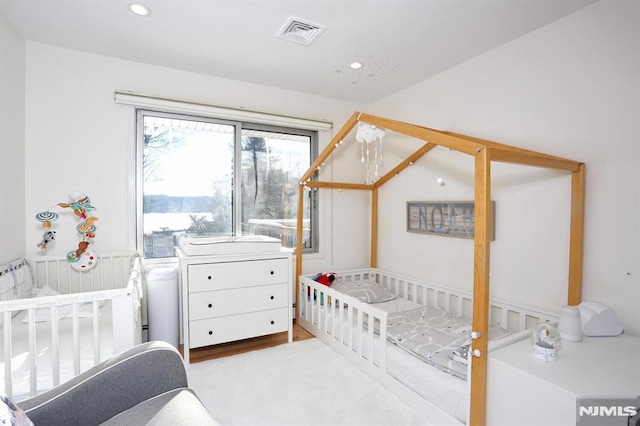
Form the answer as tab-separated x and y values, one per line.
325	279
46	218
88	224
80	204
47	237
82	247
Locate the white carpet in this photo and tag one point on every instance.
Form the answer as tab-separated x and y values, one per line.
302	383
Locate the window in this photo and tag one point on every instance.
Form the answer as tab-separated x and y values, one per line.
205	176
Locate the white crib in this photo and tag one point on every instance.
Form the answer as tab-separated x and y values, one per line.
358	331
77	320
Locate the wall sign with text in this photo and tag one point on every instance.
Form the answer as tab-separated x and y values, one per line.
448	218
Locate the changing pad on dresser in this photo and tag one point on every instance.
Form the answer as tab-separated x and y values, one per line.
203	245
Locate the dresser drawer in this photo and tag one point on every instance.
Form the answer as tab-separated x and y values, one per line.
227	275
211	304
235	327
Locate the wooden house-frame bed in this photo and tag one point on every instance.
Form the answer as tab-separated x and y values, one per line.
485	152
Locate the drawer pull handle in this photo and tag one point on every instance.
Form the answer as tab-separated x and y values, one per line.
272	272
210	332
272	297
273	322
210	305
209	277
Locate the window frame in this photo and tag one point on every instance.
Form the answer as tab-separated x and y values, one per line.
239	126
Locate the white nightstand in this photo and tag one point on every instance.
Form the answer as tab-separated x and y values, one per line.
524	390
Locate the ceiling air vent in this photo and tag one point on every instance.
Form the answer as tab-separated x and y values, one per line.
300	30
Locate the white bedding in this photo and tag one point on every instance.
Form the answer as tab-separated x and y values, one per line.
20	349
434	336
346	329
85	310
449	393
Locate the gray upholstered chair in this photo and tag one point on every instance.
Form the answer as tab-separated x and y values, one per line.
145	385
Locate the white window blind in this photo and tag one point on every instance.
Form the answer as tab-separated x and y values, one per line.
216	111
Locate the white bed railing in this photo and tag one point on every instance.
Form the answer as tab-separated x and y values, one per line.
507	315
111	272
117	278
358	330
324	312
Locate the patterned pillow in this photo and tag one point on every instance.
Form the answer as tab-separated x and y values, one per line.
364	291
11	414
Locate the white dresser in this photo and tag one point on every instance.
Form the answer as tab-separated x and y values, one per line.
524	390
228	297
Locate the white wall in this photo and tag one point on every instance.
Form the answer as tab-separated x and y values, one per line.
77	138
570	89
12	80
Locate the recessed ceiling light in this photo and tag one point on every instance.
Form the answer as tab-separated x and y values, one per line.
356	65
139	9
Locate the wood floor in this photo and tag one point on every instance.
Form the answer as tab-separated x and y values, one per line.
234	348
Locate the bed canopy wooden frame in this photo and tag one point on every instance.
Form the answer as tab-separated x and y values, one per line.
484	152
